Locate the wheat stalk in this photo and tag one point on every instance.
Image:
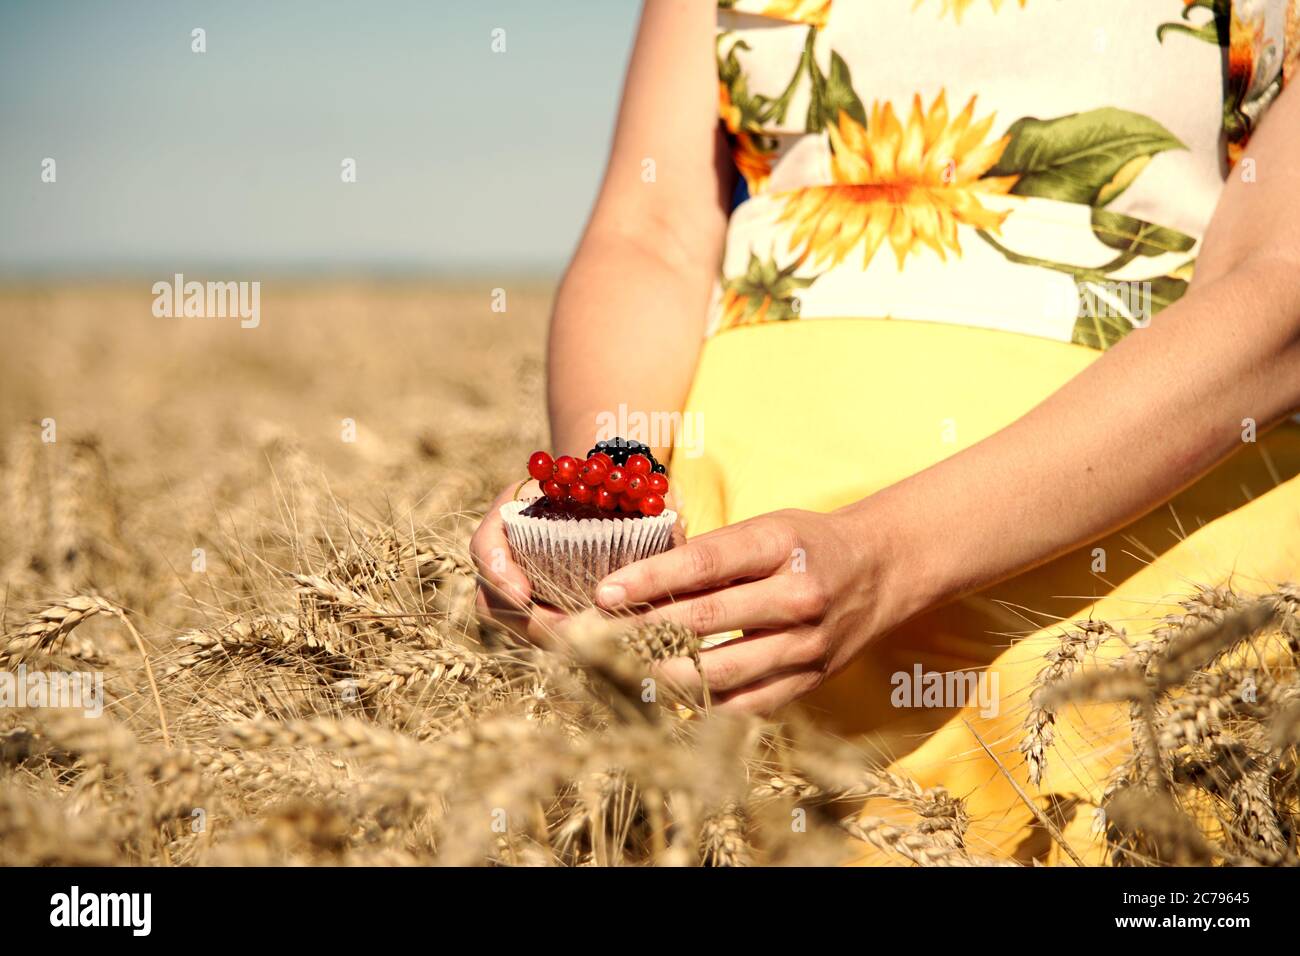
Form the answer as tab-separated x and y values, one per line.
921	847
50	625
426	667
724	837
1199	715
436	564
1063	659
273	638
57	619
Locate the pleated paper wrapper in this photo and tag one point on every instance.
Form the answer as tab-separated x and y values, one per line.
565	559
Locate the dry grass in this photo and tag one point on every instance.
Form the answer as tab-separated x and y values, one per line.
295	674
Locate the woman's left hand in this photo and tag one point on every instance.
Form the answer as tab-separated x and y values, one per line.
809	590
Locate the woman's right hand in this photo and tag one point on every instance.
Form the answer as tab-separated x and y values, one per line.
504	592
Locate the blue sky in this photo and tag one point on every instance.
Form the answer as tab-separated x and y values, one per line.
467	160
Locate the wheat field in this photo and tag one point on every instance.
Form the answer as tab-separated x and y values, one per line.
293	669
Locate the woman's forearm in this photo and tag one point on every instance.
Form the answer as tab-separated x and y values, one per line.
624	338
1146	419
1142	422
630	314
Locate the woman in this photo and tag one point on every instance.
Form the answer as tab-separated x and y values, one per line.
957	384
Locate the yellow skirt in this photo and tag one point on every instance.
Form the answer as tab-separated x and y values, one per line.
820	413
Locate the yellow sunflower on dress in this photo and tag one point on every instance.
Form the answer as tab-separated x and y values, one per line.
813	12
1244	50
752	158
1247	38
911	184
958	7
753	162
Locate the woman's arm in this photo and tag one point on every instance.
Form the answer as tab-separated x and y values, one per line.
629	316
1146	419
1152	414
630	313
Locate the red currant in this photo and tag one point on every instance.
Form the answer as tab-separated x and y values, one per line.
637	486
658	483
609	462
566	469
651	505
616	480
593	472
606	500
552	489
540	465
627	503
638	465
581	493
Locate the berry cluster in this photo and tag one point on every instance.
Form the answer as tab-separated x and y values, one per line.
621	449
618	475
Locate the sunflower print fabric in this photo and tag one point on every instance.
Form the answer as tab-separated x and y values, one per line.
1038	166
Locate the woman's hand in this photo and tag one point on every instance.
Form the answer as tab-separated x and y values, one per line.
810	591
504	593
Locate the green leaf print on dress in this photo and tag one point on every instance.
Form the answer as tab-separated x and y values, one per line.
765	293
1073	158
832	94
1091	158
1109	311
1209	30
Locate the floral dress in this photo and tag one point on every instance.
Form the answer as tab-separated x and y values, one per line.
1042	166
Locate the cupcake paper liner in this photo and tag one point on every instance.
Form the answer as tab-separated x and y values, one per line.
565	559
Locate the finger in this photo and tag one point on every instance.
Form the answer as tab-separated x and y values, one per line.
717	558
508	614
771	693
506	611
535	624
545	626
779	601
488	602
497	571
746	660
